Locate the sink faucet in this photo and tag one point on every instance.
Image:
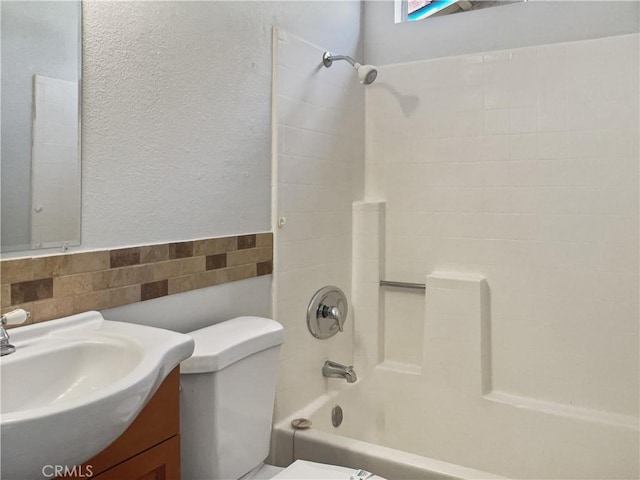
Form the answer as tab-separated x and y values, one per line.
15	317
336	370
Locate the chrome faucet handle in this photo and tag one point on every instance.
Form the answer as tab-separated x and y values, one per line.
333	313
15	317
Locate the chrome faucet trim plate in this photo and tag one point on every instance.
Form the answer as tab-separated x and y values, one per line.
327	312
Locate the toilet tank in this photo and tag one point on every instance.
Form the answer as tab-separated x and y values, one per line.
228	392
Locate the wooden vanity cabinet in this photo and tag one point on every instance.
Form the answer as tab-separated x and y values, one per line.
150	448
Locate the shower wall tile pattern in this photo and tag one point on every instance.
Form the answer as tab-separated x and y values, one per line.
521	166
319	173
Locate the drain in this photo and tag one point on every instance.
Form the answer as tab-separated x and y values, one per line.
301	423
336	415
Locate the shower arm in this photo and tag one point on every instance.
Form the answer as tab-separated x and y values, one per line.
328	59
366	73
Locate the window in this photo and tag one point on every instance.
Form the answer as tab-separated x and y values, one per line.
410	10
419	9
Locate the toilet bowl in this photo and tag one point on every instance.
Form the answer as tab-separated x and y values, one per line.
228	391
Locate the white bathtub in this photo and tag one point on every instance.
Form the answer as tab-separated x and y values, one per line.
399	430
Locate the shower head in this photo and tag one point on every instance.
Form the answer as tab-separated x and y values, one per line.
366	73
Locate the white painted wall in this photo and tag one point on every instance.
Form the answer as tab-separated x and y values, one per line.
37	38
319	173
519	165
536	22
177	113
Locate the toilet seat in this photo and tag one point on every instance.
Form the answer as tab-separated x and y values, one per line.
304	470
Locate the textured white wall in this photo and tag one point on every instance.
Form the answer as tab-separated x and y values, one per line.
177	114
320	162
536	22
522	166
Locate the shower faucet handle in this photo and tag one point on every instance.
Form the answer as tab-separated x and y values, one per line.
334	313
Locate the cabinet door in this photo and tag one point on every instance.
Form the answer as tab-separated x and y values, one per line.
158	421
161	462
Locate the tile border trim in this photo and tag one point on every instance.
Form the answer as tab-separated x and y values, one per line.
59	285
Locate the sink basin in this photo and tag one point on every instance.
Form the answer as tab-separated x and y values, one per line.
74	385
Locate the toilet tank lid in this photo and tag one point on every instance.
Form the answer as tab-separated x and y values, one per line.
224	343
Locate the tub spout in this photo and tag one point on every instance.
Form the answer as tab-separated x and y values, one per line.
335	370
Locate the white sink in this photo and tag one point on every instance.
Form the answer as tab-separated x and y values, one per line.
74	385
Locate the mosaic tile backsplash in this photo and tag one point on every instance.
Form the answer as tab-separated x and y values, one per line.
60	285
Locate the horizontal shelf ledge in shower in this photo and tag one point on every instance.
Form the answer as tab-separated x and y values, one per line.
413	286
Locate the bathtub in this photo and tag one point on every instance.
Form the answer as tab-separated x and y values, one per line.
394	427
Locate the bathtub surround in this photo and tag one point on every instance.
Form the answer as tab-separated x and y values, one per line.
511	190
521	166
441	418
55	286
402	426
433	400
318	165
506	182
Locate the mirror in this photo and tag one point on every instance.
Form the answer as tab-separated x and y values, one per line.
40	169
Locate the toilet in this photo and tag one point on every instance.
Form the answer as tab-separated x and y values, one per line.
228	391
